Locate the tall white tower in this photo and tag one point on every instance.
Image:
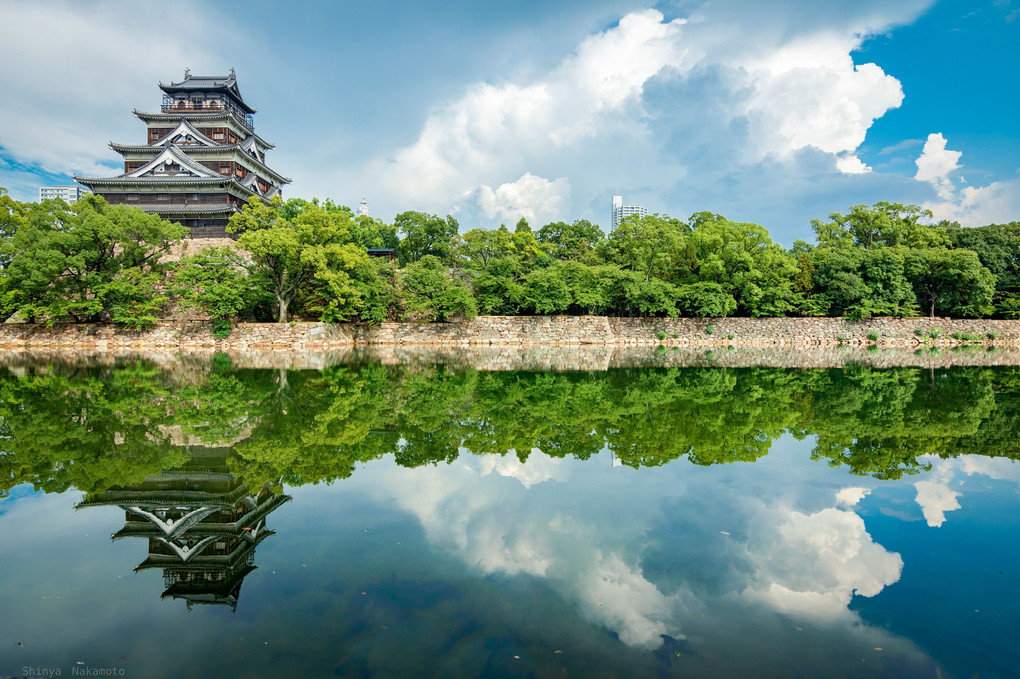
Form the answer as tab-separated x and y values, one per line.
620	210
363	208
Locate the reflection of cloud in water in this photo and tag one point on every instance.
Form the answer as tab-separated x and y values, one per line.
935	495
538	468
935	499
641	554
1000	468
851	496
818	561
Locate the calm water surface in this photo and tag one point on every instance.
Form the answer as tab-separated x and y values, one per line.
374	520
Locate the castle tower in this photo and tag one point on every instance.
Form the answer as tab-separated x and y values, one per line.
201	161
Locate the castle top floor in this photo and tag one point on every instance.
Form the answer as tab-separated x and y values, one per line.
207	94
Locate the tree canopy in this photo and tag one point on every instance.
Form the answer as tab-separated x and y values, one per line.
301	259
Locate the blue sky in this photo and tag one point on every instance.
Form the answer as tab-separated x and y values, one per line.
772	112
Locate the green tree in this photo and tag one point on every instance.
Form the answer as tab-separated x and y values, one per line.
951	282
499	288
575	241
12	217
88	262
705	299
369	232
217	282
652	245
743	261
424	235
311	255
881	225
477	248
861	283
546	291
429	291
998	248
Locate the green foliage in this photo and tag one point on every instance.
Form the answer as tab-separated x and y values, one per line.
997	247
745	263
651	297
428	291
709	329
309	257
89	262
367	232
546	291
881	225
478	248
661	335
652	246
950	282
216	282
859	283
12	217
873	336
498	288
705	300
576	241
424	235
1008	306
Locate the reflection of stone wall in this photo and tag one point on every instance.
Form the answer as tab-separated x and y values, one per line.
514	330
602	357
587	357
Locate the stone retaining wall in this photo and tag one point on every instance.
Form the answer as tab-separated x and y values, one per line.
566	330
174	336
517	331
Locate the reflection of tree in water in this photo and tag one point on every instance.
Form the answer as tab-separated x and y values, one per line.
96	428
202	526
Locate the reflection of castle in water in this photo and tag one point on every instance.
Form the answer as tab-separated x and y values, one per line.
202	525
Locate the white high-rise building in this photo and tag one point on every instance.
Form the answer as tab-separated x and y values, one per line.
620	210
68	194
363	208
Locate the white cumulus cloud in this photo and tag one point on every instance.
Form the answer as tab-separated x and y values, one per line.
653	107
995	203
936	162
535	198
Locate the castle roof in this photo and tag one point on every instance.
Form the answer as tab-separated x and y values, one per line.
199	116
225	84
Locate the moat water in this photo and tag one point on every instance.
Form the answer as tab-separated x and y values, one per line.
189	518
